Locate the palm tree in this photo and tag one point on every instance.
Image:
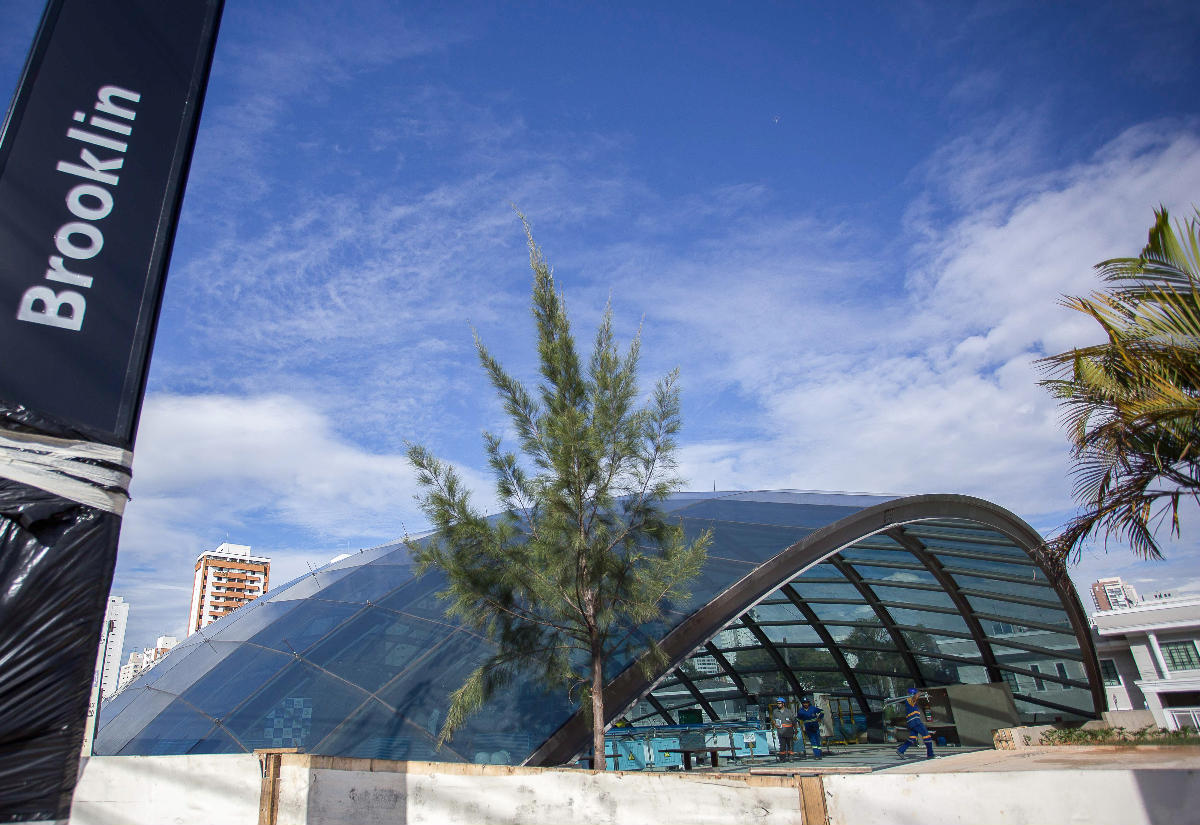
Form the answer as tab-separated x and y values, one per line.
1132	405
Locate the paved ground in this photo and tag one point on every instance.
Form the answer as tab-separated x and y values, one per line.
871	758
1080	758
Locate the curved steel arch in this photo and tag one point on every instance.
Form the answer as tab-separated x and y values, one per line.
702	625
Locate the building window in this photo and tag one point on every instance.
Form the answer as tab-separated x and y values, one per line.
1062	674
1108	672
1181	655
1010	678
1038	684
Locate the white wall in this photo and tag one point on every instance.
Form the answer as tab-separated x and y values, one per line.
220	789
1096	797
320	793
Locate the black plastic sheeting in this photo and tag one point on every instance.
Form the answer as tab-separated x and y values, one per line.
56	568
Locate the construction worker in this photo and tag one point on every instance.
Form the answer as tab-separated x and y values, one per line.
809	716
915	722
784	722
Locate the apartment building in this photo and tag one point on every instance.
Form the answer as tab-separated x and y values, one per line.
225	579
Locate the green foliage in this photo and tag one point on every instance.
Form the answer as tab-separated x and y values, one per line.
1119	736
1132	404
582	552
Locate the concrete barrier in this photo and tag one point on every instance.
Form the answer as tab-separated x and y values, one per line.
220	789
1123	786
317	790
1096	797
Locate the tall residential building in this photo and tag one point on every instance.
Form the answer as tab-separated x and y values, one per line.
112	640
1113	594
226	578
106	677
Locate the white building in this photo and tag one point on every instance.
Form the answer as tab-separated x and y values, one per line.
142	660
1150	659
106	677
112	640
226	578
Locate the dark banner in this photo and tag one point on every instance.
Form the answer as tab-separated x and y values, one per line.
92	162
93	158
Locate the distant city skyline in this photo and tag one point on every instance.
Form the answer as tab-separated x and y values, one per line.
849	228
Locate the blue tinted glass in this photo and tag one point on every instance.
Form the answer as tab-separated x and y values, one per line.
1015	612
753	513
912	597
225	686
372	582
295	710
144	704
893	554
419	598
249	623
830	590
933	621
311	621
199	661
375	731
375	645
309	584
175	730
217	740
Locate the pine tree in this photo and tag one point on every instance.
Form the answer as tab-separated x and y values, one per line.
582	552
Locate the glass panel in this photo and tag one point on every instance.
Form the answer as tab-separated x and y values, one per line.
1108	672
865	555
1004	567
175	730
143	705
394	553
199	661
844	612
755	513
1029	587
921	576
373	582
829	590
296	710
1017	612
754	543
311	621
263	614
309	584
375	645
227	685
217	740
920	641
914	598
939	671
933	621
374	731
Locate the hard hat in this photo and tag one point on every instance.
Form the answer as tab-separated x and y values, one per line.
780	700
912	691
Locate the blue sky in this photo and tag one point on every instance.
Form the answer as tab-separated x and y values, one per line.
848	228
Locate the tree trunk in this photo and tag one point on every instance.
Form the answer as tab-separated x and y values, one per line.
599	762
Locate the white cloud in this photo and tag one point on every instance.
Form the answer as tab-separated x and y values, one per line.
930	386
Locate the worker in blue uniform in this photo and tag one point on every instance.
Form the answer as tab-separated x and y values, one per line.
914	720
809	716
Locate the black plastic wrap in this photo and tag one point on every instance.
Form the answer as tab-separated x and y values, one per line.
56	567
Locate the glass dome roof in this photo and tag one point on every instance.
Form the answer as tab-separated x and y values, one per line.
849	595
